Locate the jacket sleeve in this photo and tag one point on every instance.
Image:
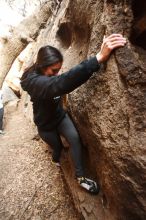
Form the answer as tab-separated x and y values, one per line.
44	87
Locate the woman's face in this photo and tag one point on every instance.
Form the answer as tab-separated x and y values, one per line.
52	70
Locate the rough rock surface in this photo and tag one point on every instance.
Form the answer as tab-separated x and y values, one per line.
110	109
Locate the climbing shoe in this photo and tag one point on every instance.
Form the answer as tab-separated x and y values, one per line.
2	132
55	163
90	185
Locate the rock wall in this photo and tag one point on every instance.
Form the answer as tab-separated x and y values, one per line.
110	109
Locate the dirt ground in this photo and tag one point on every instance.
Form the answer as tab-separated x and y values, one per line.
30	186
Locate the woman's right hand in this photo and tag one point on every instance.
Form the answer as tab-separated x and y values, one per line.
109	44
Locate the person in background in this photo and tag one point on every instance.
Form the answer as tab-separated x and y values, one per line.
46	86
1	113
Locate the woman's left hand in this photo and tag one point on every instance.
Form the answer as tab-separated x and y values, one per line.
109	44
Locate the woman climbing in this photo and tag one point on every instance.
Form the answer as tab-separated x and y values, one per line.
45	87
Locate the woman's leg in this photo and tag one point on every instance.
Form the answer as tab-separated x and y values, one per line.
53	139
1	118
68	130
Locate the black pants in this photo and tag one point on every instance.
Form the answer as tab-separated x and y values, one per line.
1	118
67	129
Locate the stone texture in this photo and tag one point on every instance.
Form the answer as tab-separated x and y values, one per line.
31	187
109	110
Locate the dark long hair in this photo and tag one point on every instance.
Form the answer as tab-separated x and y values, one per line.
46	56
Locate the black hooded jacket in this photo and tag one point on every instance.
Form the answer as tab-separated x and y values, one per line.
46	92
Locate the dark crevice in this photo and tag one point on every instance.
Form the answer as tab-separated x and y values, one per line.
138	32
64	35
